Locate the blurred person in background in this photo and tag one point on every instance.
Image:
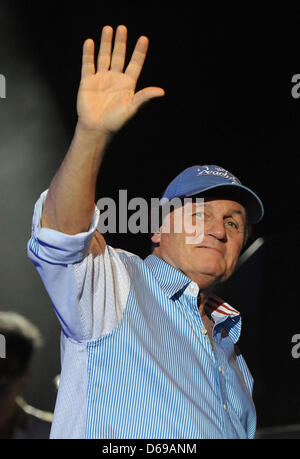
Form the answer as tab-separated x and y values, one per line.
17	418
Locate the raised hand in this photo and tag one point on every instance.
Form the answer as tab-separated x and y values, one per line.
106	97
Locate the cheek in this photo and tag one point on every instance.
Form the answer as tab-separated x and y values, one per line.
174	250
233	254
211	261
171	242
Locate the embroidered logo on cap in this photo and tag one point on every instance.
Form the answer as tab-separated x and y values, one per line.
217	171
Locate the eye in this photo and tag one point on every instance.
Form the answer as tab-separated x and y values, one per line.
232	224
199	214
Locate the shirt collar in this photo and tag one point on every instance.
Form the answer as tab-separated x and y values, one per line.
229	317
170	279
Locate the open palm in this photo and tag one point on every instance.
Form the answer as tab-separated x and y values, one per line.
106	97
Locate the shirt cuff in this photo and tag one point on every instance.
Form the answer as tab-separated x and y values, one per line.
57	247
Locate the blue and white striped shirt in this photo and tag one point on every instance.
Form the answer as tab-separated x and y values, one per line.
136	358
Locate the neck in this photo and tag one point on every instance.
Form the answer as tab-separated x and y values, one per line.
202	299
205	282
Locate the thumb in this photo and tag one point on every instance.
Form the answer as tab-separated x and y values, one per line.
146	94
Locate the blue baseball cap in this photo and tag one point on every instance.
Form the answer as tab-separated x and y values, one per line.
197	180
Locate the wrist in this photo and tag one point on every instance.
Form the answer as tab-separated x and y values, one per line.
91	134
88	144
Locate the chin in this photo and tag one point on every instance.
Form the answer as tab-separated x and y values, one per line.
212	269
207	277
205	281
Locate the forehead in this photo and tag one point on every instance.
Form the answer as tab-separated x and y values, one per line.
227	196
219	207
222	205
226	205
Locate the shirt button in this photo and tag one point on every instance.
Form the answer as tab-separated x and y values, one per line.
191	288
220	369
225	407
204	331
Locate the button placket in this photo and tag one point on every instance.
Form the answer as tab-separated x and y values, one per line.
191	299
221	371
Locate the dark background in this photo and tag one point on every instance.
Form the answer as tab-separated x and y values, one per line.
227	72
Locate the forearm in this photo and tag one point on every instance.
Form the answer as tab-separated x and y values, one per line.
70	202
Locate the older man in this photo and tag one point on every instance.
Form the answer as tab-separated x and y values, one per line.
147	350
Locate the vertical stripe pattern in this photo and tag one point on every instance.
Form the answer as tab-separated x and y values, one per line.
156	376
136	359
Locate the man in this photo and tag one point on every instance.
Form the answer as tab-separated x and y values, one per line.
147	351
18	419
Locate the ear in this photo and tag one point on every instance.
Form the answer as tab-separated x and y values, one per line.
155	238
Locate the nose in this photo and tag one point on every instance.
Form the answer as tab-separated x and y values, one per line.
216	229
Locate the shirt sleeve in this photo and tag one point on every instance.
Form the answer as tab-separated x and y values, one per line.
85	278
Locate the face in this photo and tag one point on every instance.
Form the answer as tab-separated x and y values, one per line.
206	251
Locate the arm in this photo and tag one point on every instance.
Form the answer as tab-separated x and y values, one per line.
106	100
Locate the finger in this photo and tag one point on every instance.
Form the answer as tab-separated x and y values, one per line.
104	55
137	60
88	65
119	52
146	94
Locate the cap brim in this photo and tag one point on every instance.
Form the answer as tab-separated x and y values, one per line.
240	193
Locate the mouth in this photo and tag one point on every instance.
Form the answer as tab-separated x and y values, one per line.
210	248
